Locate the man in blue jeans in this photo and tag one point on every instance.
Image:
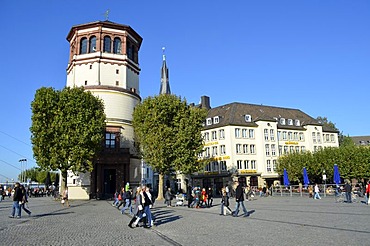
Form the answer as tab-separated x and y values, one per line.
239	199
17	198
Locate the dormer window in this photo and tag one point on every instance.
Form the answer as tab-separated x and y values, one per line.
216	120
248	118
290	122
297	123
282	121
209	121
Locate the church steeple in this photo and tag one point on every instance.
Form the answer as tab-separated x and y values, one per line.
165	83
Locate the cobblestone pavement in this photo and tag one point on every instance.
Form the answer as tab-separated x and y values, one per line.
273	221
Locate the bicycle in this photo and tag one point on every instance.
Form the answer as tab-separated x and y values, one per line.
341	197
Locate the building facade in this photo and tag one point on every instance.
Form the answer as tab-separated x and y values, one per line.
243	141
104	59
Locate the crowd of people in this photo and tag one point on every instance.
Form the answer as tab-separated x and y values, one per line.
140	210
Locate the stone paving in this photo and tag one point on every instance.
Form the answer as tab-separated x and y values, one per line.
273	221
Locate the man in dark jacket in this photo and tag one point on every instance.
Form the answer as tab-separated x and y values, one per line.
239	199
17	199
348	188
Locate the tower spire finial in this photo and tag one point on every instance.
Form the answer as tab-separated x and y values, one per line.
106	14
163	55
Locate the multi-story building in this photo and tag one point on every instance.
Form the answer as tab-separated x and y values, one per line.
243	141
104	59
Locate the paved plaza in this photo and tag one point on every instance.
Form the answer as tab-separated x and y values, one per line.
273	221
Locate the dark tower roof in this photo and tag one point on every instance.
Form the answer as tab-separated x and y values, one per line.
165	83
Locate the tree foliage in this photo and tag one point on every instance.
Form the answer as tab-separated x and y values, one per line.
353	162
169	133
67	129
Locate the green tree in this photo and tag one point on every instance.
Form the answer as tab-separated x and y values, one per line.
327	123
67	129
169	133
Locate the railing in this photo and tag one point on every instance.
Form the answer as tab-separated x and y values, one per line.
299	190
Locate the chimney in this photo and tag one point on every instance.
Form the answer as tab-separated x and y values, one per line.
205	102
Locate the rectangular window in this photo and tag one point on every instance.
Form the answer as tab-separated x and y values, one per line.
301	136
295	135
252	149
223	165
290	136
285	149
209	121
238	148
215	166
303	149
239	164
221	134
251	133
327	137
284	135
110	140
268	166
117	83
245	148
244	133
272	135
90	66
318	137
332	139
214	151
223	150
274	165
216	119
207	152
237	132
273	149
280	150
266	134
246	164
313	137
279	135
208	167
267	148
206	136
297	149
291	149
214	135
117	71
253	165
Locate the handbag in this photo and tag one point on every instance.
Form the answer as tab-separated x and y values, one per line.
62	201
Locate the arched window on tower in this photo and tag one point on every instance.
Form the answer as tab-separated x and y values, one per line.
107	44
92	42
117	46
83	46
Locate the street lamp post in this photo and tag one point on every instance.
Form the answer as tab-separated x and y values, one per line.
23	175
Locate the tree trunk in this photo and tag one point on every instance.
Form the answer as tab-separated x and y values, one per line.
160	187
64	181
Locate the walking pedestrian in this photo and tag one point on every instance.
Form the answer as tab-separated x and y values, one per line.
316	192
65	200
128	198
24	200
224	202
367	193
348	188
189	195
209	197
17	199
239	199
168	197
1	193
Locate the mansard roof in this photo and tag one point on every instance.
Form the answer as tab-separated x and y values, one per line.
234	114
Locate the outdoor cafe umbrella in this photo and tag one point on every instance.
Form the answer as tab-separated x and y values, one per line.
286	179
336	175
306	181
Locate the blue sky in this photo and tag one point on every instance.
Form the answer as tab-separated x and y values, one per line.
312	55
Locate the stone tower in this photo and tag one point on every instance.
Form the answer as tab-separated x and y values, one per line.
104	59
